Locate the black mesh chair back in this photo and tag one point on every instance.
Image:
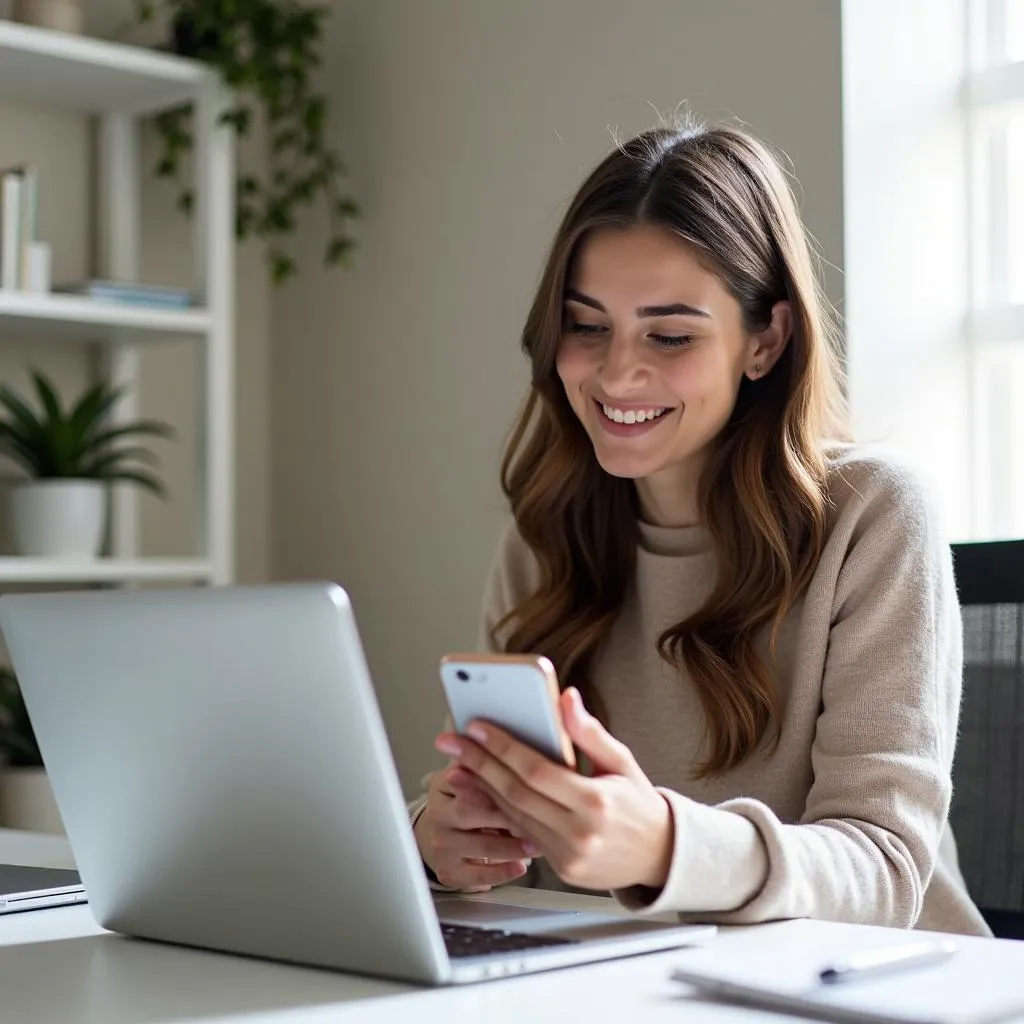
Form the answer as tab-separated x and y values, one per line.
987	813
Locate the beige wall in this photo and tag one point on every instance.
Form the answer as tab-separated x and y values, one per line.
59	144
468	125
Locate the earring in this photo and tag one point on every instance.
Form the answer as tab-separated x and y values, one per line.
757	371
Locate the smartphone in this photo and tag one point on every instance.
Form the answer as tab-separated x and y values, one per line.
517	692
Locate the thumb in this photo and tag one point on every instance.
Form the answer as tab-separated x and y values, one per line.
609	755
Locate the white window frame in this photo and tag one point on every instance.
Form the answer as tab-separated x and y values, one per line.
994	97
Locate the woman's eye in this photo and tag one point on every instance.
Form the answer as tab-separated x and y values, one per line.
671	340
585	329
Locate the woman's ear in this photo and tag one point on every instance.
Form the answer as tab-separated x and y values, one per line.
766	346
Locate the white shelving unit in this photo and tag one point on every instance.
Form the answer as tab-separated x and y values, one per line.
118	84
63	316
103	570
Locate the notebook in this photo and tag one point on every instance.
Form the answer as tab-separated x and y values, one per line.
777	967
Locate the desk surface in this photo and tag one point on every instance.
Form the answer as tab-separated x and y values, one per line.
58	965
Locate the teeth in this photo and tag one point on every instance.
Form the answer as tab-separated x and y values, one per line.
631	415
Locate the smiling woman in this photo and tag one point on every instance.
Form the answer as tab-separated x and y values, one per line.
676	366
753	620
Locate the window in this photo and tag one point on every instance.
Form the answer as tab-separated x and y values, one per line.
996	118
1014	19
1015	209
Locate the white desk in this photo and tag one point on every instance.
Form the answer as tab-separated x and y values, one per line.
57	965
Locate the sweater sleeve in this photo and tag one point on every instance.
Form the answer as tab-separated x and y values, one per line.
866	844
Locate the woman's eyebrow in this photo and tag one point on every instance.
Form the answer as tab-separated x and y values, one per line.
673	309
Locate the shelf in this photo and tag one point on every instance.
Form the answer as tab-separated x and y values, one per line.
28	314
40	67
102	570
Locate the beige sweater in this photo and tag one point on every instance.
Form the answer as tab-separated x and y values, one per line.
846	818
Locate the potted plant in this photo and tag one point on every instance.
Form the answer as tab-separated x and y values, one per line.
26	798
69	456
266	51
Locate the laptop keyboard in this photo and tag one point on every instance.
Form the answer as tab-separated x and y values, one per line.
466	940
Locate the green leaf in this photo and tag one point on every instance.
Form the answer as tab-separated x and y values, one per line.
284	140
331	164
17	737
21	451
277	217
150	427
172	124
337	251
90	410
303	190
16	434
25	417
347	208
103	463
65	448
140	477
282	266
186	202
21	751
240	118
49	397
315	115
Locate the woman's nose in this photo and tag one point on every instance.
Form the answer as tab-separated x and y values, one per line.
621	367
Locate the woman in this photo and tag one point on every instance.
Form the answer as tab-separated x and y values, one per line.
754	622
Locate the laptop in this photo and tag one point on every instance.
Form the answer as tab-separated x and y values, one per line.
222	770
29	888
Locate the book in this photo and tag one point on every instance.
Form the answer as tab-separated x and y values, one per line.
11	227
130	293
18	207
778	967
29	201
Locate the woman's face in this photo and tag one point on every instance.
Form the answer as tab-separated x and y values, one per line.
652	352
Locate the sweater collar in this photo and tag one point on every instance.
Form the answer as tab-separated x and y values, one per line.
674	541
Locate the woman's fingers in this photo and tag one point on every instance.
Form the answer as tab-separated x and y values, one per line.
538	838
456	813
522	777
492	847
462	804
481	877
462	785
607	754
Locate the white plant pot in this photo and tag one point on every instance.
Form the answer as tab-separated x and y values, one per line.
62	15
26	801
59	518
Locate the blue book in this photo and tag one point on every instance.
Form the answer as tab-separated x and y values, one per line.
130	293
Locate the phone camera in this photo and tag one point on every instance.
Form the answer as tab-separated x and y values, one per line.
462	675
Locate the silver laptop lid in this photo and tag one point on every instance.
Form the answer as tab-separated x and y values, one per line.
223	773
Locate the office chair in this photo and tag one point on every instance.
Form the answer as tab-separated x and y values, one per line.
987	813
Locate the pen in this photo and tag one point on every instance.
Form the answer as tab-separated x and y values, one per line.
892	958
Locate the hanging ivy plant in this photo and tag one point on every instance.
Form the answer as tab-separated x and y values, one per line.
266	52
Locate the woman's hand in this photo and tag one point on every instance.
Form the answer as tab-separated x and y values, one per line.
607	832
465	839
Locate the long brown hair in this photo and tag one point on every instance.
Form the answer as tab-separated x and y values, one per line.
763	493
